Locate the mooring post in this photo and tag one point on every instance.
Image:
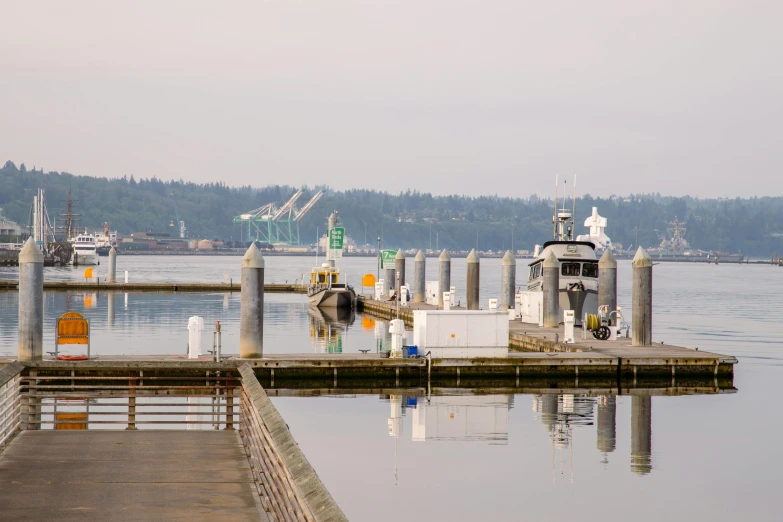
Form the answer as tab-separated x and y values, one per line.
472	286
419	278
508	280
607	282
641	330
391	274
112	266
30	336
551	288
251	314
641	434
399	266
444	280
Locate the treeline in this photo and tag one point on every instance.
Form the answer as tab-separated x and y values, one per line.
409	220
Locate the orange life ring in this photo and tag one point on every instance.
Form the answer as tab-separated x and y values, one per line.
71	357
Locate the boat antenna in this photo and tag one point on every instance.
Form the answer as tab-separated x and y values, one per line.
317	245
554	216
573	211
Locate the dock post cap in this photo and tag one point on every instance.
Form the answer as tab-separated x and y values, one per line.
30	252
444	256
642	259
420	256
400	254
551	261
508	259
607	260
253	258
473	257
112	250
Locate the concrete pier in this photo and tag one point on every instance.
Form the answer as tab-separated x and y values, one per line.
399	266
419	277
251	314
551	291
472	285
641	435
641	328
112	277
444	278
30	337
508	281
607	281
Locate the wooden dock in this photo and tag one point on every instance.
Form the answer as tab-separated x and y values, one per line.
289	288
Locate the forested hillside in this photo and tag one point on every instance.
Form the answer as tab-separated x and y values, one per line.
410	219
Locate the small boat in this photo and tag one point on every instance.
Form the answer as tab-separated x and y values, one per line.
84	250
326	291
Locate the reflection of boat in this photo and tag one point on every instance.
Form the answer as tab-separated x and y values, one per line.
326	290
84	251
578	268
327	326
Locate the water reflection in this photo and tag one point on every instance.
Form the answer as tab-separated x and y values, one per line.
485	418
328	327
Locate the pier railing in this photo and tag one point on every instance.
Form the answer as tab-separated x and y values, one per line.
10	402
284	477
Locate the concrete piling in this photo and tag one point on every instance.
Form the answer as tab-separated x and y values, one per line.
419	276
399	266
391	274
551	289
331	223
30	340
444	279
641	434
112	278
472	286
641	330
508	280
607	281
251	314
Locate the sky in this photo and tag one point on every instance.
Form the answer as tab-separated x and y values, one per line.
467	97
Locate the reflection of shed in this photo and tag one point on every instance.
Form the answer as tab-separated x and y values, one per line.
464	417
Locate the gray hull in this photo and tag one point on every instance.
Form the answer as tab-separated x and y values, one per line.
340	298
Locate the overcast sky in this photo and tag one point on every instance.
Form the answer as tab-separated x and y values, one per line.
448	96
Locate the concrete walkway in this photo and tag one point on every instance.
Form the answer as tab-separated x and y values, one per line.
127	475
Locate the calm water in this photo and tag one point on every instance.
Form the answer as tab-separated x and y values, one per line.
496	457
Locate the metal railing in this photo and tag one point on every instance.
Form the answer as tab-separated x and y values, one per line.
10	402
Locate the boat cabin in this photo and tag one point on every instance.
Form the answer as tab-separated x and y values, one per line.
577	262
325	275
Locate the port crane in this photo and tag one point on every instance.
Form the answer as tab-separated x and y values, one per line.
179	224
276	225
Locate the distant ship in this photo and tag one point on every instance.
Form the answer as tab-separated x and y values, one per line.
84	250
105	240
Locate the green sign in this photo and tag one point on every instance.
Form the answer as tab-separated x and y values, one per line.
336	237
387	258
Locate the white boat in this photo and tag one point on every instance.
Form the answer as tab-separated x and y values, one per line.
84	250
326	291
578	268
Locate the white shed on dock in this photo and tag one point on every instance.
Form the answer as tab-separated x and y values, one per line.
461	333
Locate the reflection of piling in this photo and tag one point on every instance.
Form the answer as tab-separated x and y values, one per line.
444	279
551	295
472	287
607	281
606	419
419	276
508	275
641	435
251	313
399	266
549	410
112	266
111	309
641	330
30	344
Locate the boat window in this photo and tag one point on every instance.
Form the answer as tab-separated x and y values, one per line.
570	269
334	279
321	278
590	270
535	271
